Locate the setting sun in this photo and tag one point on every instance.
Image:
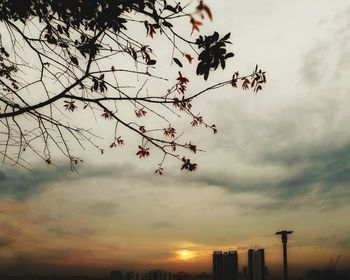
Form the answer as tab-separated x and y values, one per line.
185	255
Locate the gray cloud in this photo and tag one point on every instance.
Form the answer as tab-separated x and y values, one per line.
329	171
307	135
325	174
21	184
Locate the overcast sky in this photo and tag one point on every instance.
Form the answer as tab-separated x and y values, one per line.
281	160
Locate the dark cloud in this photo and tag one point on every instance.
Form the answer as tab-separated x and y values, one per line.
21	184
326	174
326	171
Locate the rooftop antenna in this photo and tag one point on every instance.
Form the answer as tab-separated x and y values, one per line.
284	237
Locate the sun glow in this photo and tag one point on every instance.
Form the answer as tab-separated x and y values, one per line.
185	255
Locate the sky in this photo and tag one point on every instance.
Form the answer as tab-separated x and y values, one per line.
281	160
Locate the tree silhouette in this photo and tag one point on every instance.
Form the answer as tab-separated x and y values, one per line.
64	60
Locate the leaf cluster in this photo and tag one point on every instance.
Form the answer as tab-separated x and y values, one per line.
213	54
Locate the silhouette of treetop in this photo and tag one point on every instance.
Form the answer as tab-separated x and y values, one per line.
64	61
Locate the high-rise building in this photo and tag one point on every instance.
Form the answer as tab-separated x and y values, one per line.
218	265
225	265
256	264
230	265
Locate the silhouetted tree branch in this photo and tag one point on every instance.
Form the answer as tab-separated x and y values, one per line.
59	58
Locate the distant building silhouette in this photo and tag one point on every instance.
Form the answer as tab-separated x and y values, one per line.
225	265
328	274
157	275
182	276
256	264
132	276
203	276
116	275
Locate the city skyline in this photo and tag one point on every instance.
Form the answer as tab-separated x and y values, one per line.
232	265
225	266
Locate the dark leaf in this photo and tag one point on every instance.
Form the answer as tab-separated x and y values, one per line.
151	62
64	45
170	8
227	36
52	40
229	55
178	62
74	60
167	24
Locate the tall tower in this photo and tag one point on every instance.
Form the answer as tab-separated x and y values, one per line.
225	265
218	265
251	260
260	264
256	264
284	237
230	265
